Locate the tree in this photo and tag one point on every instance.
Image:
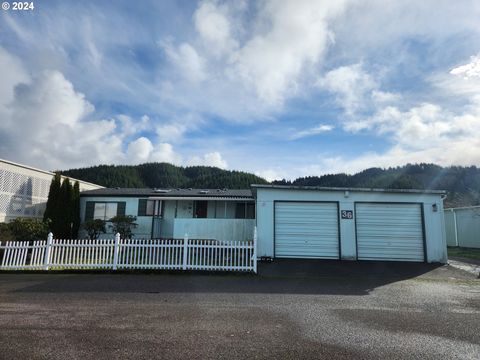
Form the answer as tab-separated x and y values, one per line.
62	213
64	220
123	224
76	208
94	228
54	201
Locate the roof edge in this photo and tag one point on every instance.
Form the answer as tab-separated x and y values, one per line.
324	188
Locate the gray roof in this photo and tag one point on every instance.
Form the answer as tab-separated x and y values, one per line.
145	192
323	188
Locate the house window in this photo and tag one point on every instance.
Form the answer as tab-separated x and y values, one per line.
105	211
146	207
245	210
200	209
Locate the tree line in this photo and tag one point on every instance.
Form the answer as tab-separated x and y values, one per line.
158	175
461	183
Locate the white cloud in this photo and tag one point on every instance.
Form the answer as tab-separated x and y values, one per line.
270	174
209	159
319	129
351	84
296	36
189	64
164	152
213	24
470	70
131	126
139	150
47	116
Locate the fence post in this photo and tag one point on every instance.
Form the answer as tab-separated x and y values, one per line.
115	250
255	250
185	251
46	259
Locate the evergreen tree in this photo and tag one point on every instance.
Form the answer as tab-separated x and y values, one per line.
54	201
64	221
76	208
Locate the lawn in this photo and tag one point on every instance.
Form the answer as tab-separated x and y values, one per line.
464	252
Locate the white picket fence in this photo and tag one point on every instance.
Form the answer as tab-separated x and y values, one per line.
113	254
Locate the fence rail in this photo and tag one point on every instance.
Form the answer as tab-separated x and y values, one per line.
113	254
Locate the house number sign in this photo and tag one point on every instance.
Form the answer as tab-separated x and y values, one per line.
347	214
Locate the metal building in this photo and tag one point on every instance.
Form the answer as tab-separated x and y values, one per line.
350	224
24	190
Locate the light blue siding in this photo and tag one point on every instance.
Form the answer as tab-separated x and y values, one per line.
433	220
217	229
177	219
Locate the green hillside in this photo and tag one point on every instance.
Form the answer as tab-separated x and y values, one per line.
462	183
158	175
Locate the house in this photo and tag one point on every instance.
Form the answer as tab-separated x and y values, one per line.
24	190
350	224
291	221
219	214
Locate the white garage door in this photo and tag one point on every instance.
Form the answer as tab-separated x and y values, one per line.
389	232
306	230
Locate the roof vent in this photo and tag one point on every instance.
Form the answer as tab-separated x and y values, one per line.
204	191
224	189
163	191
189	189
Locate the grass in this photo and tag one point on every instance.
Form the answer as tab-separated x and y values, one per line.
464	252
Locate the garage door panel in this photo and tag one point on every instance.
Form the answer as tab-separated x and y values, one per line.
306	230
389	232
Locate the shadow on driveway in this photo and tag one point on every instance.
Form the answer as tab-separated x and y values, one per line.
280	277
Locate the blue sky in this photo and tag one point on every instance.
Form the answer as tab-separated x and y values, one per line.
279	88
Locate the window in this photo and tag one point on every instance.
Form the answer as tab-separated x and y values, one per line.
147	207
245	210
105	211
200	209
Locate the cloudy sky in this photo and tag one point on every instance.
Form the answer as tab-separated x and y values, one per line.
281	88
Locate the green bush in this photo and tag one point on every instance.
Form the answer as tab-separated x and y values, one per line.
23	230
94	228
123	224
6	233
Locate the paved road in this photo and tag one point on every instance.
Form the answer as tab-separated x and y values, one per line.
289	311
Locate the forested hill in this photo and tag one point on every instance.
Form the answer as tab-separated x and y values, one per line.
164	175
462	183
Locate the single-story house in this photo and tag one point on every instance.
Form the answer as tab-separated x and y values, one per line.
220	214
291	221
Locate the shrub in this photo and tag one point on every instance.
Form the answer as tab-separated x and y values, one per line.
25	229
94	228
123	224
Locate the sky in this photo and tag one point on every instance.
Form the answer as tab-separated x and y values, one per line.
279	88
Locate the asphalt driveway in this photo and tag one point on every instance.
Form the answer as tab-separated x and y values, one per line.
314	309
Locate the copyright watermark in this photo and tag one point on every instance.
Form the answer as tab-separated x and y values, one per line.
18	5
